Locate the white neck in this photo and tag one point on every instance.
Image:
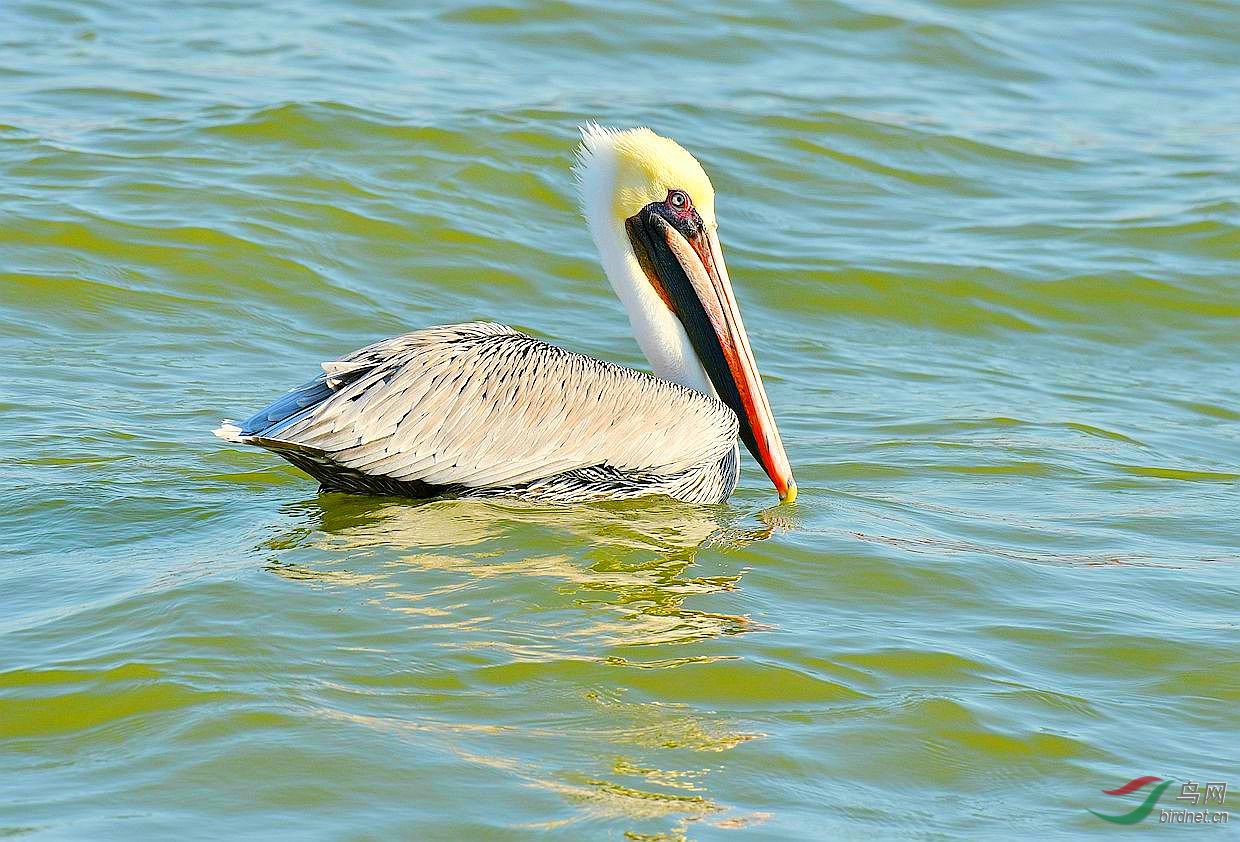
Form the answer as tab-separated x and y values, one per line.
659	333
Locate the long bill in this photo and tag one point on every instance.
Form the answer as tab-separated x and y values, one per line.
684	263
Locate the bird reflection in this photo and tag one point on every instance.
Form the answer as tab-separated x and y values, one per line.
558	612
631	559
666	526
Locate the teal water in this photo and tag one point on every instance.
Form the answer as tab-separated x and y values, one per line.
988	252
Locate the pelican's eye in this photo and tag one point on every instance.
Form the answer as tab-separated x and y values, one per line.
678	200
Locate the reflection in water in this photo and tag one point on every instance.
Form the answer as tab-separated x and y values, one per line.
352	521
556	610
628	559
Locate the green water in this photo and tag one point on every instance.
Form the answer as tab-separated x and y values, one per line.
989	256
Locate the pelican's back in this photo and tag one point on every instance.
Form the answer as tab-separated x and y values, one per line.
484	410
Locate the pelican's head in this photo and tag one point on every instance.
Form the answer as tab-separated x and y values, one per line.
651	211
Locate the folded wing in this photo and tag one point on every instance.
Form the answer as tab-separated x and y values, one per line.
480	405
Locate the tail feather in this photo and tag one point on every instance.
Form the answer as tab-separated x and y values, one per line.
229	431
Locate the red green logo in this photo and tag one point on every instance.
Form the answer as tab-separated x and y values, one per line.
1198	795
1144	808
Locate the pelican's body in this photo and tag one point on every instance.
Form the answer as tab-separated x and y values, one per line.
486	411
480	409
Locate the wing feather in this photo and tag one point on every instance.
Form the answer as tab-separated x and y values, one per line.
480	405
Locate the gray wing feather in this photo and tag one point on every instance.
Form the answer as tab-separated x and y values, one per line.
480	405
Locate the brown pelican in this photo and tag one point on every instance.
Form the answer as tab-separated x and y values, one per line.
482	410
